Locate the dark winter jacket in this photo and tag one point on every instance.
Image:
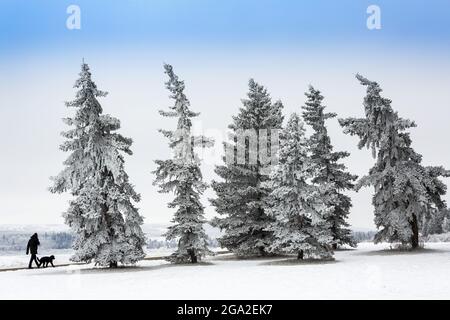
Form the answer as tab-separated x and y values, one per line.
33	244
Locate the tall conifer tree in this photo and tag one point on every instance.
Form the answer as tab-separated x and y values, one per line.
301	216
241	195
330	175
106	223
182	176
404	189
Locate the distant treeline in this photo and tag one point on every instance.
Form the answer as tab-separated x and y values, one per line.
17	241
363	236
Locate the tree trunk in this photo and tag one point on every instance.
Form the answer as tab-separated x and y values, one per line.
262	252
415	231
300	255
193	256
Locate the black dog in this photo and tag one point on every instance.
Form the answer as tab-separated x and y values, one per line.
44	261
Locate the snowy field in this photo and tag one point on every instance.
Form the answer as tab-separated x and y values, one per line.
369	272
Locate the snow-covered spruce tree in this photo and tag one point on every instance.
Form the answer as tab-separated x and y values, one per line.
106	224
301	216
240	195
404	189
330	175
182	176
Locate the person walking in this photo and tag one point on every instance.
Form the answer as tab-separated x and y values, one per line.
32	248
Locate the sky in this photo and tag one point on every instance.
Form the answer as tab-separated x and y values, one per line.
216	47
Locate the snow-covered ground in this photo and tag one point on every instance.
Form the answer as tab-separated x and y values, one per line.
369	272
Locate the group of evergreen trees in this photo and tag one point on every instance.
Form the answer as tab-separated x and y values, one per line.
297	205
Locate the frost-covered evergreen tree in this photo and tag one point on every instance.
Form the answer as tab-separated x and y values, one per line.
240	195
182	176
330	175
301	216
106	224
404	189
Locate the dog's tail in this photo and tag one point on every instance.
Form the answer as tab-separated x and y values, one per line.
39	260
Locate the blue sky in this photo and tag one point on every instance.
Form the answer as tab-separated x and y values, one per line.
27	26
215	46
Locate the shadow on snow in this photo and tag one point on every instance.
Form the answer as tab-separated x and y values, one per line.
396	251
294	262
123	269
